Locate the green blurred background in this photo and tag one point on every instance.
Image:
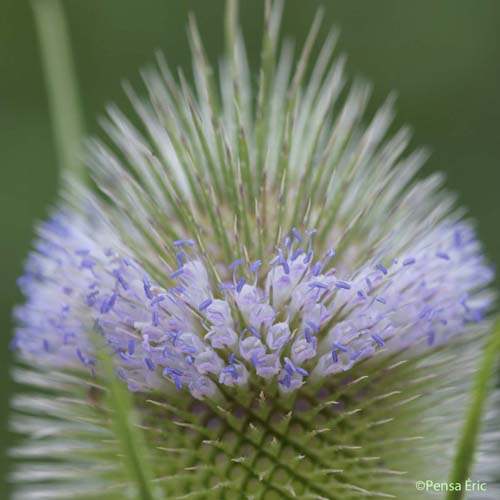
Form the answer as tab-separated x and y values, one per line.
442	58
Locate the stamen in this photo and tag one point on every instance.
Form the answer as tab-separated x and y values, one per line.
442	255
131	346
241	283
297	235
343	284
235	264
204	304
255	266
177	273
381	268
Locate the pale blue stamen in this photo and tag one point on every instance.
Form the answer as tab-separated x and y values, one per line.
442	255
177	273
297	235
255	266
204	304
343	284
240	285
235	264
131	346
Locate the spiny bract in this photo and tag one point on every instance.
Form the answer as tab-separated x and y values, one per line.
296	314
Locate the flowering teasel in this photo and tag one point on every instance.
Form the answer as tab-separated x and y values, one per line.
295	313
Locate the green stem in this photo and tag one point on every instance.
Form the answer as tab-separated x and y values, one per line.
129	435
67	124
231	27
466	447
61	83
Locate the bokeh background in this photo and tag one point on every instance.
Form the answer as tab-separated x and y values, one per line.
442	58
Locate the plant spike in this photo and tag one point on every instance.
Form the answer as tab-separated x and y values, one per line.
285	307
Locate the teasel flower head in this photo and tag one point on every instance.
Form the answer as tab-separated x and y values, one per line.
295	311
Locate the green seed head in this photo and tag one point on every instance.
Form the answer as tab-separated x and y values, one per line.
255	298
